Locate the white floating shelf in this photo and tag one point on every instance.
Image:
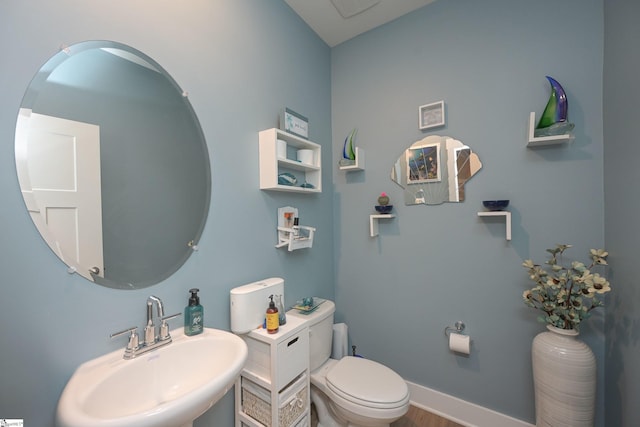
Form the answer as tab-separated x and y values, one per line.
359	165
538	141
292	236
373	222
505	214
271	166
295	238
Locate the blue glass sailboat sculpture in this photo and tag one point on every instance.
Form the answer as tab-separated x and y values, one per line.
554	118
348	151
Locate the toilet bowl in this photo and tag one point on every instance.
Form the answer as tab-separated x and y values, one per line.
359	392
352	391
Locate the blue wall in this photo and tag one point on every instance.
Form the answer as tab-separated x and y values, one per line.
621	95
434	265
242	61
241	65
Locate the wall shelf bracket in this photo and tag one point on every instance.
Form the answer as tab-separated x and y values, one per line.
505	214
358	165
373	222
538	141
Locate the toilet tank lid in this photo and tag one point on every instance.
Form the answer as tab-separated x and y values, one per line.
256	286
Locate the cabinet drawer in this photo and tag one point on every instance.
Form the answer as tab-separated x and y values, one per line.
292	358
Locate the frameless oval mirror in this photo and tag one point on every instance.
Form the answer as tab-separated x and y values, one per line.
112	164
434	170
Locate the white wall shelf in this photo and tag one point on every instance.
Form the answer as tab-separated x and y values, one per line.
505	214
290	235
538	141
295	238
271	165
373	222
359	165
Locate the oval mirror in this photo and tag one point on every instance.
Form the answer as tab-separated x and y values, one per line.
112	164
435	170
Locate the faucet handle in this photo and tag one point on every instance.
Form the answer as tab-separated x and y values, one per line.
164	328
132	345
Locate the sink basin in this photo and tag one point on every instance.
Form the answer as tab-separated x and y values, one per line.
170	386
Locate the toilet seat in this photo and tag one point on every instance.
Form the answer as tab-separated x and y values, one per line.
367	383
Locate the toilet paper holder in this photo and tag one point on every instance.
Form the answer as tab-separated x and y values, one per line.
457	328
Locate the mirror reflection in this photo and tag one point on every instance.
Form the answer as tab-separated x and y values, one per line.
112	165
434	170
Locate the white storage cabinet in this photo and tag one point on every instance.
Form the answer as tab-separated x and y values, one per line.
273	388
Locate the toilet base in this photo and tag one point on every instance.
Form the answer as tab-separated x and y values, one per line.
327	417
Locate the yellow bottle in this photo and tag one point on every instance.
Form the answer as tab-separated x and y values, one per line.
273	320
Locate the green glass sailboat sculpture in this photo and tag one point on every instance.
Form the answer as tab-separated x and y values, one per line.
554	118
348	152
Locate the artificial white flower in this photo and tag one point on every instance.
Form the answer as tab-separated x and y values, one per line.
566	295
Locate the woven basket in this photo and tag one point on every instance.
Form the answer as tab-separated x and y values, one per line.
256	403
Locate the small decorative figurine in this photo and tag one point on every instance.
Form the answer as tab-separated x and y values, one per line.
383	205
383	199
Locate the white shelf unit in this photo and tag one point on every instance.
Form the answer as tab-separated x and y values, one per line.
373	222
271	165
538	141
359	164
505	214
274	384
288	235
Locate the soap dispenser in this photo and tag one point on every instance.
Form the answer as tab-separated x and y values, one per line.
273	320
193	314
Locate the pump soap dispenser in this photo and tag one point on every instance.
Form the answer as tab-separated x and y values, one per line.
193	314
273	320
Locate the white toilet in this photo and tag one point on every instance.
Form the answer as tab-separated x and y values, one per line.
352	391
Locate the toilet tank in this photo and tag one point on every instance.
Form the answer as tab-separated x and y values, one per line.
248	303
320	333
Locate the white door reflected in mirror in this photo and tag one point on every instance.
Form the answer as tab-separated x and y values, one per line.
61	161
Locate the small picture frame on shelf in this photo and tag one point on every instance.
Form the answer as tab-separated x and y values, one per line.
294	123
423	163
431	115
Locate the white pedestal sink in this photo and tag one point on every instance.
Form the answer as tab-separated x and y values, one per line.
167	387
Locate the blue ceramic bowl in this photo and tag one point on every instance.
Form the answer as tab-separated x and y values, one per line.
384	209
495	205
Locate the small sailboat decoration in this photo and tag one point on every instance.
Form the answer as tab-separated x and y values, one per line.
554	118
348	151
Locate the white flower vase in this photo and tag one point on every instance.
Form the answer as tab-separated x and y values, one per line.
564	377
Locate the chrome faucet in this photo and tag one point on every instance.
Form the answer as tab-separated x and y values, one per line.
150	337
151	340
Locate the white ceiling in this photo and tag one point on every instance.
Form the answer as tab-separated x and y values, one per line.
323	17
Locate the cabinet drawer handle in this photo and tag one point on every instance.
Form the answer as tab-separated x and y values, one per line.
293	341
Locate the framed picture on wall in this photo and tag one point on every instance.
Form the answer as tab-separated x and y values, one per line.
431	115
294	123
423	163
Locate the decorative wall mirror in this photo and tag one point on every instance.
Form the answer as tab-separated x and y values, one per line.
112	164
434	170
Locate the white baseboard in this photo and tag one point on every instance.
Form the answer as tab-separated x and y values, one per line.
460	411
